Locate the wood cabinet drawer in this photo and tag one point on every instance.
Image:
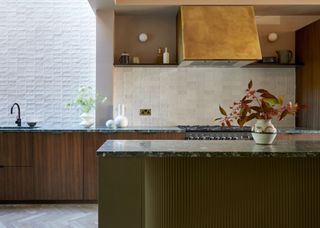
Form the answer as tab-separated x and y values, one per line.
16	149
16	183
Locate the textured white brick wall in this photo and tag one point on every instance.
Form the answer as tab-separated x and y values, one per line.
192	95
47	50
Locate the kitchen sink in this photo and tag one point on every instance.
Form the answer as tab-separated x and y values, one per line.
16	127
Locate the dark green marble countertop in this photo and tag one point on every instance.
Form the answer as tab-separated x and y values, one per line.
195	148
102	130
129	129
298	130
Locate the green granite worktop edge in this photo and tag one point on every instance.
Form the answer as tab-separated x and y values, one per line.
208	149
298	131
101	130
135	129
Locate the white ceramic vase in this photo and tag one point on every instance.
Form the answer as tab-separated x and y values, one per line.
110	124
87	120
121	120
264	132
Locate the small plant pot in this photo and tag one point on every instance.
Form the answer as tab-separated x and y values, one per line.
87	120
264	132
264	138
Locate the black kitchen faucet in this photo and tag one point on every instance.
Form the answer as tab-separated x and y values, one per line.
18	121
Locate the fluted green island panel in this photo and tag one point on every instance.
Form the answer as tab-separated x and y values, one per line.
209	184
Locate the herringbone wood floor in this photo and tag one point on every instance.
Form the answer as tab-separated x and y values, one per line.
49	216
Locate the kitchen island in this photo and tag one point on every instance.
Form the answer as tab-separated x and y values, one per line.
173	184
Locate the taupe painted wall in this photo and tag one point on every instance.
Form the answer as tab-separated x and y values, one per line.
104	67
161	30
285	26
286	40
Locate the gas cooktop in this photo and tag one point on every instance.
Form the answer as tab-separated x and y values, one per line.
215	132
213	128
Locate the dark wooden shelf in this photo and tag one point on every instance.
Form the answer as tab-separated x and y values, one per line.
272	65
146	65
252	65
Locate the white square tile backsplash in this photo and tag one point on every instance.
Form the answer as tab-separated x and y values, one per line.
192	95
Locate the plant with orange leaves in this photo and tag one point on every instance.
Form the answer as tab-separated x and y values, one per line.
256	104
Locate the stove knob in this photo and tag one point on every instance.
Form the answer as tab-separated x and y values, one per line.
202	137
247	137
196	138
229	138
191	138
217	138
223	138
211	138
235	138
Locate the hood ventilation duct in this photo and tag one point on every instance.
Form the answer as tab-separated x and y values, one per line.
217	36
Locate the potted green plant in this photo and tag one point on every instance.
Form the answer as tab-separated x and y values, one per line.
86	101
261	105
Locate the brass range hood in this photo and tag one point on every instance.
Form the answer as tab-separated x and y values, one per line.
219	36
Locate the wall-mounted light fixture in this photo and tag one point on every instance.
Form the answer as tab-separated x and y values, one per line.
272	37
143	37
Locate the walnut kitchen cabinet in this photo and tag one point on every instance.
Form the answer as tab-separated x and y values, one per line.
16	171
300	136
16	149
92	141
16	183
58	166
307	79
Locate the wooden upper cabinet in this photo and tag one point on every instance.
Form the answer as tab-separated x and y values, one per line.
58	166
308	76
16	149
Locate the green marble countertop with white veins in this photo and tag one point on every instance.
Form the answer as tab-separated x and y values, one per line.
58	129
203	148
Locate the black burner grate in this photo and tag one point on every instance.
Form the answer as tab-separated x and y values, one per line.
214	128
